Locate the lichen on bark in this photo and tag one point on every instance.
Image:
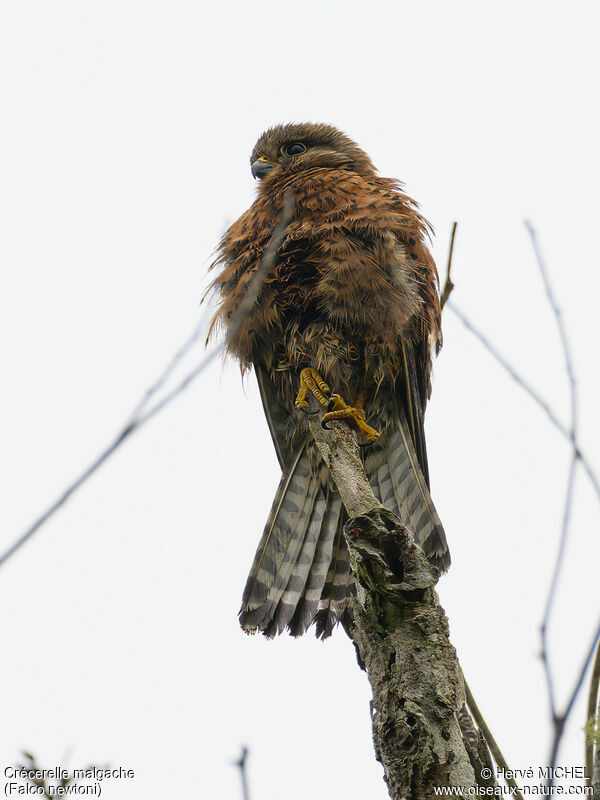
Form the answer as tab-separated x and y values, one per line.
422	732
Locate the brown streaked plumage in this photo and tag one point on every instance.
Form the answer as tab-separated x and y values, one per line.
353	294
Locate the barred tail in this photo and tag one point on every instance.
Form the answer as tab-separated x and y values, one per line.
397	480
290	568
301	572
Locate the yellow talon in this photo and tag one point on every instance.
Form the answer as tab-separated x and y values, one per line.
355	417
311	381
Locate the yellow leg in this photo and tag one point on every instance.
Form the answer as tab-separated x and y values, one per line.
311	381
354	416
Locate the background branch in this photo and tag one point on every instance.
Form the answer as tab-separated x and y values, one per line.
139	419
571	434
241	765
558	719
526	386
592	743
497	754
448	285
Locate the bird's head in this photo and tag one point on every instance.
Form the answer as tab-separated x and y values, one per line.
287	149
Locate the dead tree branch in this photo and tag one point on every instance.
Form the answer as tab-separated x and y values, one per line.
401	635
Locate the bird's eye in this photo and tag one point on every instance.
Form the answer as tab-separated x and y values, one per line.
294	149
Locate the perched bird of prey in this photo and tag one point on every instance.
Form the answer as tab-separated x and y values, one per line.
350	315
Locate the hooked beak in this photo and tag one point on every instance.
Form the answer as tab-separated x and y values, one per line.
260	167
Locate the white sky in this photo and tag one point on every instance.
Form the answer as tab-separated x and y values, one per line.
124	154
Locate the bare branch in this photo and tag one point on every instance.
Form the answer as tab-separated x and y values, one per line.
517	378
558	720
264	269
593	719
491	742
569	366
137	421
38	778
552	591
571	434
448	285
62	499
581	677
400	631
535	396
265	266
172	364
340	454
241	764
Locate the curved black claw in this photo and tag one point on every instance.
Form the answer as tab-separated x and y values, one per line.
307	412
324	426
330	406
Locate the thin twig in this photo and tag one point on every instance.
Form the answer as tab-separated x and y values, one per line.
574	420
552	590
575	692
491	742
265	266
448	284
579	682
519	379
62	499
559	720
241	764
173	362
473	707
569	365
537	398
593	718
135	423
105	454
264	269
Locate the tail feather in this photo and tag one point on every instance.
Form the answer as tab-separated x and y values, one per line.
309	602
284	604
411	493
289	572
307	524
376	490
281	540
301	572
386	487
338	586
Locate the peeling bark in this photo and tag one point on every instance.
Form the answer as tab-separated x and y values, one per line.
422	732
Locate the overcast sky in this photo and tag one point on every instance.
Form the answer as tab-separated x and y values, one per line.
124	149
